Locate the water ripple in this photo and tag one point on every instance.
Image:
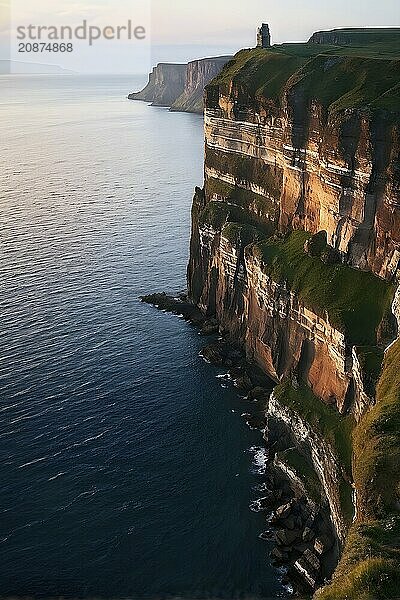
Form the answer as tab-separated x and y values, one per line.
120	452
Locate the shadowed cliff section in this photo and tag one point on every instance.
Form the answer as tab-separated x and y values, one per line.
166	83
180	86
295	251
387	38
370	564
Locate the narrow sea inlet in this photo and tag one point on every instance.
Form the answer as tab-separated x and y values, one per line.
127	468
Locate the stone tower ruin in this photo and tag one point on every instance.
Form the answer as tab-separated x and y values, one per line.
263	36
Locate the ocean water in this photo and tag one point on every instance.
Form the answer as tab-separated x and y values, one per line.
127	470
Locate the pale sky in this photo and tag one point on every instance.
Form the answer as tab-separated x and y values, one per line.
234	21
185	29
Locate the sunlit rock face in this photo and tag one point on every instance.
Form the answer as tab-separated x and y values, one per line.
304	146
279	332
291	164
337	174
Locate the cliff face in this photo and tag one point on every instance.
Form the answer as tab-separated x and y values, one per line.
295	244
326	463
166	83
198	74
356	37
295	162
336	172
180	87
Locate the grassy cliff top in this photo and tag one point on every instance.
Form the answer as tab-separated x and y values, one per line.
340	77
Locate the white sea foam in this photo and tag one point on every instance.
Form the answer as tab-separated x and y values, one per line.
247	418
225	376
205	360
260	459
260	487
289	589
257	505
56	476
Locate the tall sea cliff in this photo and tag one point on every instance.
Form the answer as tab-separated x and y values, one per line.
180	86
295	251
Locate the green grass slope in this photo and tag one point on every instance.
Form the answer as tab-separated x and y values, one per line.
355	301
339	77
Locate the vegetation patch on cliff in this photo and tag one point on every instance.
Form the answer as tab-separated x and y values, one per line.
342	82
302	468
354	301
377	443
332	426
370	359
239	234
219	215
246	169
214	214
262	72
263	207
339	77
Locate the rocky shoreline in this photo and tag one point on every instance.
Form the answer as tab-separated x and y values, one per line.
305	546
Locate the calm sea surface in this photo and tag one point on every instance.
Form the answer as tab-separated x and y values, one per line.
126	468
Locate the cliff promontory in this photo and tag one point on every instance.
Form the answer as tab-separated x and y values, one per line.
166	83
180	86
295	251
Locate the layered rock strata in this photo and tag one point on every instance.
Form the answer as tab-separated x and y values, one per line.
295	245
